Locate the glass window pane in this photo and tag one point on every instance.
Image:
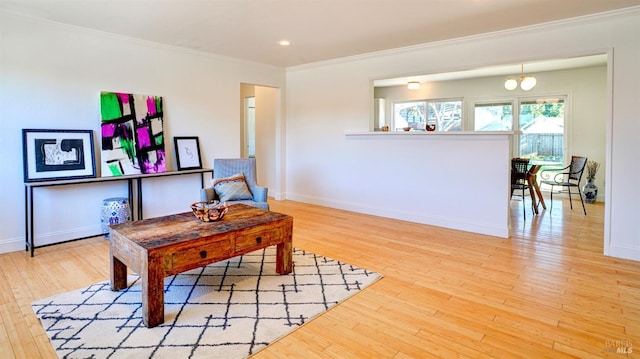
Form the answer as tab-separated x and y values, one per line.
409	114
447	115
493	117
542	126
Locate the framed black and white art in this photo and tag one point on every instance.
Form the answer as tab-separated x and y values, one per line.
187	153
57	154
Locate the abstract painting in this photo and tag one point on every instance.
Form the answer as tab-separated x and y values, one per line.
132	134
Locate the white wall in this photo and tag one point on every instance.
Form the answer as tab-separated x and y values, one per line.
586	111
325	100
51	76
421	172
424	178
266	118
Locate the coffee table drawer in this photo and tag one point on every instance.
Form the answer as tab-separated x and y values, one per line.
257	238
199	256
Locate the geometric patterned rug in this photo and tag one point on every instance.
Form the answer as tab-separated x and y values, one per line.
229	309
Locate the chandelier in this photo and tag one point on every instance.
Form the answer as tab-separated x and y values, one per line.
526	82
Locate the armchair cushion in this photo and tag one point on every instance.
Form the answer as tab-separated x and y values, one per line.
231	167
233	188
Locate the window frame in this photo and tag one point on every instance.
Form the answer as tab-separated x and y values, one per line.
449	99
394	125
505	101
516	102
565	97
427	102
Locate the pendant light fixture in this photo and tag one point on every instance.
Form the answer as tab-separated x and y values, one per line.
526	82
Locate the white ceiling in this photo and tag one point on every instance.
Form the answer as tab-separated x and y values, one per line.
318	29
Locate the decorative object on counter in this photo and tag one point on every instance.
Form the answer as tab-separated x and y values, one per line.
209	211
406	129
385	128
590	190
430	127
57	154
114	211
187	153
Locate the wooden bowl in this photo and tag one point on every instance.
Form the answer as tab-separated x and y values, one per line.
209	212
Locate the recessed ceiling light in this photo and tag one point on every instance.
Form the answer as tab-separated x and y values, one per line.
284	43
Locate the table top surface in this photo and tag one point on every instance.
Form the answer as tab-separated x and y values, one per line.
62	182
168	230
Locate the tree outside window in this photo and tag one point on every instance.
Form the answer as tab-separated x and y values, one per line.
447	115
409	114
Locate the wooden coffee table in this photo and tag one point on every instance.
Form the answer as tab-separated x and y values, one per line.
156	248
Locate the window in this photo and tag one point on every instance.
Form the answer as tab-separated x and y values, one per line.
493	116
409	114
542	124
447	115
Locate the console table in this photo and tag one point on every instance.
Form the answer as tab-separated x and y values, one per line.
29	186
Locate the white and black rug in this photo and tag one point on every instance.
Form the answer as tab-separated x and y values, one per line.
230	309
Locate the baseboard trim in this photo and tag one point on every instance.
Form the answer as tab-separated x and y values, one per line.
47	239
12	245
451	223
623	252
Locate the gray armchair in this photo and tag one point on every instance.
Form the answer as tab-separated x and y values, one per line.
228	167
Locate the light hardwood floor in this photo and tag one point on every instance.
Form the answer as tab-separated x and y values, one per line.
546	292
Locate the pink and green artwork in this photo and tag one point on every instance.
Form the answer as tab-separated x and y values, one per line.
132	134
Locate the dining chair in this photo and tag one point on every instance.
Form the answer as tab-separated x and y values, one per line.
567	178
519	171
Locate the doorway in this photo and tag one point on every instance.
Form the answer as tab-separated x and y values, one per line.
259	125
249	132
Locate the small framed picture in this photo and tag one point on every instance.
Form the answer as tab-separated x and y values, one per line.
57	154
187	153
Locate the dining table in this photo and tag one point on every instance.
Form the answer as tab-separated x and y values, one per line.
534	188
